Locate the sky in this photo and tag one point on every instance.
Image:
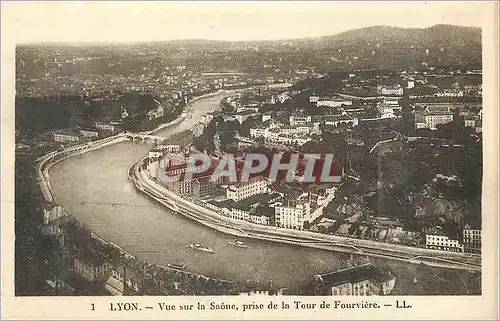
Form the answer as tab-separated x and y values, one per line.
157	21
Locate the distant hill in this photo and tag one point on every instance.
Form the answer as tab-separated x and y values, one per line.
371	47
377	46
390	46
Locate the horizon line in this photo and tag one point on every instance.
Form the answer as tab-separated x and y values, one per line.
138	42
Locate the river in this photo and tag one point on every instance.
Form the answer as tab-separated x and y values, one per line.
94	188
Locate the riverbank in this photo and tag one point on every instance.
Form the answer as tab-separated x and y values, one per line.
184	115
334	243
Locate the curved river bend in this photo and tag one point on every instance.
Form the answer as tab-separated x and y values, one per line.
94	188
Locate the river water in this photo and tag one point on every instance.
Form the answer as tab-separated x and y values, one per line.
94	188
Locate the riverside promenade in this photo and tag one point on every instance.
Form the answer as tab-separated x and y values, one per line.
217	221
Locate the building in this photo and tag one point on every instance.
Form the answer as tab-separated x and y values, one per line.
313	98
203	186
124	280
155	153
297	120
262	215
206	119
181	187
390	105
470	121
333	102
52	213
52	228
64	136
241	190
336	120
472	240
433	116
200	184
169	148
437	241
89	133
362	280
266	116
242	116
155	113
291	214
394	90
450	93
90	266
105	127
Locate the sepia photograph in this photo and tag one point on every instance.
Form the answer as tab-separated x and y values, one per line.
251	150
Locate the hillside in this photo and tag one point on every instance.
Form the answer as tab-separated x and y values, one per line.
391	46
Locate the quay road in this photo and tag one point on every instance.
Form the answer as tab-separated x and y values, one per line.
88	185
240	228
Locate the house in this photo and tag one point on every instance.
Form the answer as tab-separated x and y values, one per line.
362	280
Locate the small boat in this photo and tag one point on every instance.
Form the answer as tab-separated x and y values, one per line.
177	266
237	244
201	247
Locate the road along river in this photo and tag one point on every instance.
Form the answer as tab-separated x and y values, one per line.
94	188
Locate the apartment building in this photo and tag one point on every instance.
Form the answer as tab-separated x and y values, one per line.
240	191
472	240
291	214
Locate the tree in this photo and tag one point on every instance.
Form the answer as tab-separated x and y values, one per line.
246	126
